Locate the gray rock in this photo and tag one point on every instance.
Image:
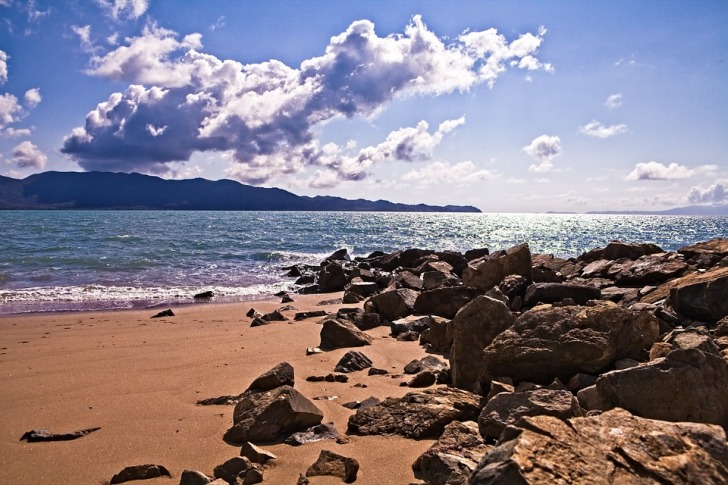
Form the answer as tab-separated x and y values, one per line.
313	434
239	469
429	362
704	298
332	278
330	463
353	361
412	323
337	334
490	270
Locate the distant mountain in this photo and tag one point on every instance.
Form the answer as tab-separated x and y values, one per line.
692	210
105	190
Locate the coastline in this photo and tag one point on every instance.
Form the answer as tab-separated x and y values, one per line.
139	379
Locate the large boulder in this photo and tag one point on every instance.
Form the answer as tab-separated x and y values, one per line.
417	415
647	270
453	458
554	292
687	385
332	278
612	448
333	464
507	408
488	271
394	304
663	291
280	375
557	342
474	328
444	302
441	334
267	416
619	249
336	334
717	246
705	299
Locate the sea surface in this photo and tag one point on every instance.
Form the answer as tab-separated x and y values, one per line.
93	260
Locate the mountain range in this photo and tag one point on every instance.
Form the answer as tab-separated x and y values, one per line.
106	190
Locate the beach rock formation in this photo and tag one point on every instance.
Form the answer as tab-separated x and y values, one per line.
333	464
488	271
352	361
702	298
444	302
612	448
619	249
267	416
416	415
555	292
280	375
239	470
336	334
139	472
394	304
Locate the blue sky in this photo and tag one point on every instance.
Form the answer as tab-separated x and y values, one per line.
510	106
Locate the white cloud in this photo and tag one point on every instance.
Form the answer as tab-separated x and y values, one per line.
27	155
659	171
32	98
713	194
613	101
130	9
264	113
219	23
543	149
598	130
84	35
3	67
463	173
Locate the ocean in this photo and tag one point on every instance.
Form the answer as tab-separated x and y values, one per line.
96	260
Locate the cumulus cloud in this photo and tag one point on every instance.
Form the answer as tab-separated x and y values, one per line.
27	155
613	101
543	149
713	194
598	130
659	171
3	67
463	173
129	9
262	113
32	98
11	110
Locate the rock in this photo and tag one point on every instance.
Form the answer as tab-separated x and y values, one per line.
553	292
717	246
619	249
312	314
596	268
619	295
416	415
164	313
339	255
425	378
412	323
429	362
140	472
513	286
332	278
286	298
328	378
256	454
692	338
705	299
474	327
319	432
363	288
687	385
205	295
337	334
612	448
395	304
330	463
476	253
313	350
580	381
721	328
407	279
253	313
36	435
377	372
435	279
549	342
434	265
441	334
353	361
453	458
490	270
456	260
663	291
302	480
259	322
658	350
280	375
239	470
351	298
507	408
274	316
265	417
647	270
444	302
191	477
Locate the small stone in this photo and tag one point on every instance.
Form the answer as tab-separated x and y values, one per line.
333	464
164	313
139	472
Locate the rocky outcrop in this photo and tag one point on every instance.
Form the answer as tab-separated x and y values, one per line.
267	416
394	304
330	463
647	270
619	249
417	415
488	271
557	342
441	334
444	302
704	298
613	448
555	292
474	328
332	278
336	334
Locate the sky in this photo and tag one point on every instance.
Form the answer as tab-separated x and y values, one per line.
510	106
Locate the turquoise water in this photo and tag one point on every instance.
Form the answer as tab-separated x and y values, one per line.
71	260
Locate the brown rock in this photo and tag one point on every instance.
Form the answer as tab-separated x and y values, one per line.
330	463
337	334
139	472
192	477
488	271
706	299
444	302
332	278
394	304
441	334
280	375
256	454
717	246
553	292
239	470
619	249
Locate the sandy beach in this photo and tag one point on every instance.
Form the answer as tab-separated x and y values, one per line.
139	379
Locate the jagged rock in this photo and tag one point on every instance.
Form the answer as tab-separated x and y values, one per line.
377	372
441	334
330	463
612	448
580	381
456	260
351	298
596	268
192	477
721	328
417	415
36	435
256	454
663	291
496	387
704	299
311	314
274	316
239	469
302	480
353	361
332	278
337	334
412	323
549	342
647	270
407	279
717	246
507	408
453	458
319	432
366	403
474	327
476	253
395	304
339	255
280	375
435	279
619	295
693	338
139	472
363	288
259	322
266	416
164	313
687	385
513	286
253	313
429	362
553	292
619	249
444	302
490	270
